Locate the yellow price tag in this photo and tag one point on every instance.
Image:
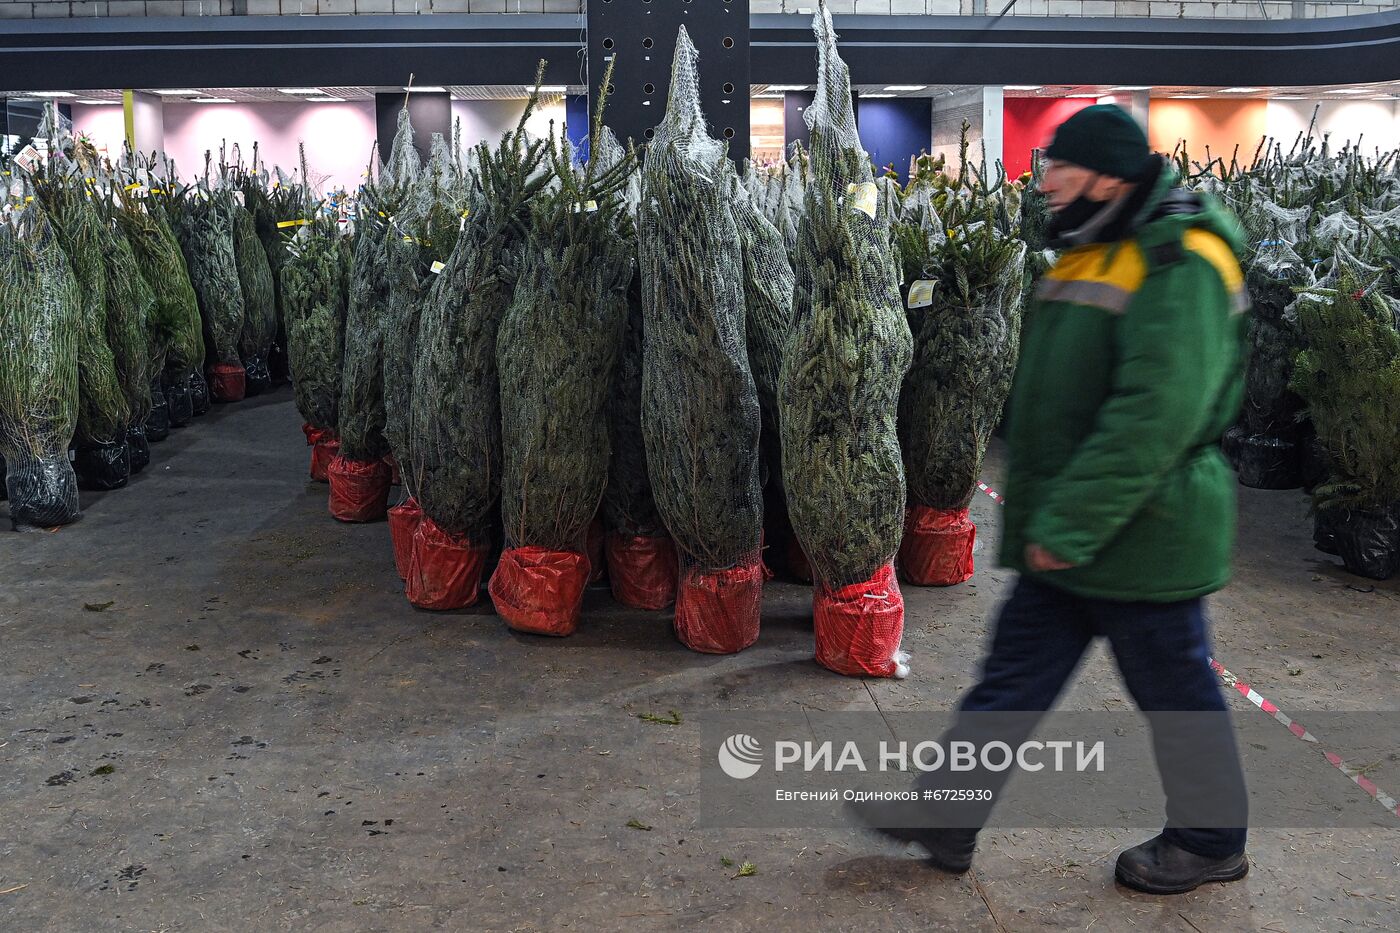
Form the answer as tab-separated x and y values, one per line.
437	267
864	197
282	224
921	293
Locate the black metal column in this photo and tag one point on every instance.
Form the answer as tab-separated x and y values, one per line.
639	36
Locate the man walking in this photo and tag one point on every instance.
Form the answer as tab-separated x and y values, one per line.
1120	510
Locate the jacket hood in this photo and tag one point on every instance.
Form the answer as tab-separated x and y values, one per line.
1170	210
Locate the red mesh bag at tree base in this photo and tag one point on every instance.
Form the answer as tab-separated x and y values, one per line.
394	478
717	612
444	570
359	489
227	382
595	550
642	570
403	522
326	450
538	590
312	434
858	627
937	546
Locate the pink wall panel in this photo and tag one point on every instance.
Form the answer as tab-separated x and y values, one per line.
338	136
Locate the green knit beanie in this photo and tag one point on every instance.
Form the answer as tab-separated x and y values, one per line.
1105	139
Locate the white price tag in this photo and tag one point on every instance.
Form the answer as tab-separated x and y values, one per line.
437	267
921	293
28	158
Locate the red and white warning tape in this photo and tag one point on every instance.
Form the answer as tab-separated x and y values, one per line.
1295	727
1253	696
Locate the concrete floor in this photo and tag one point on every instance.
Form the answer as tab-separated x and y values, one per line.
258	733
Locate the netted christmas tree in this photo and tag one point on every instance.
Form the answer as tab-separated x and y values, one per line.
40	325
206	231
1349	376
102	457
455	427
557	353
963	301
700	412
839	390
360	425
259	302
313	291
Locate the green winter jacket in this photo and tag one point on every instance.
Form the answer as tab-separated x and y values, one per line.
1131	369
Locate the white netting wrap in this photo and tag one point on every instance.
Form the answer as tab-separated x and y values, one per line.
839	388
700	411
39	326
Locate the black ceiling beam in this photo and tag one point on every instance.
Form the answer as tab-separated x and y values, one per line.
1070	50
473	49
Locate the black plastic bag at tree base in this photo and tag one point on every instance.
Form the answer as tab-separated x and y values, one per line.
139	448
199	393
103	466
1368	541
1263	461
257	376
43	493
177	401
1325	524
158	421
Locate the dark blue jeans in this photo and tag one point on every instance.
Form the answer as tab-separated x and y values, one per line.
1163	654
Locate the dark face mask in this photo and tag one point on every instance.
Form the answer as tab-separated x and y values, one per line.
1074	215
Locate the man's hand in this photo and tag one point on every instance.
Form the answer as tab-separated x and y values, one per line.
1041	560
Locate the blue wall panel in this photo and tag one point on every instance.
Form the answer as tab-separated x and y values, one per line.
896	129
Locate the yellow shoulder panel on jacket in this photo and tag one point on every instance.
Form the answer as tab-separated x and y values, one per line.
1099	275
1214	250
1117	264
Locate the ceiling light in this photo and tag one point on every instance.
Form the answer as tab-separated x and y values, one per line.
865	96
905	87
1241	90
300	90
213	100
1188	97
52	94
1287	97
787	87
182	92
95	102
1021	87
324	100
427	89
1134	87
1347	90
553	89
1084	95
